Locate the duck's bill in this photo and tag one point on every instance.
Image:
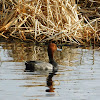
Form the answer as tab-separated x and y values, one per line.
59	49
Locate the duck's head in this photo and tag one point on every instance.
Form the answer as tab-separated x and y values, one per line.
52	47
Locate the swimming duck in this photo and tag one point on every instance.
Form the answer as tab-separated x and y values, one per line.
34	65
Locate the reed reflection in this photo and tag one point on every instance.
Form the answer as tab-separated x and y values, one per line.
21	52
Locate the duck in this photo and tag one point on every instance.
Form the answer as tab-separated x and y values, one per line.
39	65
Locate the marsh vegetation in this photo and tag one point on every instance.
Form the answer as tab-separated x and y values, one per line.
43	20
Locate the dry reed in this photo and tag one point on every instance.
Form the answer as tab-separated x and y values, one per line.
42	20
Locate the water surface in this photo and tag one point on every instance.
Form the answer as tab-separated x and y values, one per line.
78	77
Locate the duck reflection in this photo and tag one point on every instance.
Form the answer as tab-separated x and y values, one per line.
50	81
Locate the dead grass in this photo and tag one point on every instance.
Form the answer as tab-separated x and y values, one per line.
43	20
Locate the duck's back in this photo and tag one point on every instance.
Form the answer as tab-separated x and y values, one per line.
35	65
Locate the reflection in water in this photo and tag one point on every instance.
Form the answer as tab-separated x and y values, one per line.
78	74
50	82
29	52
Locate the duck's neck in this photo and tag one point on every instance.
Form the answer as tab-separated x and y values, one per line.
51	60
50	54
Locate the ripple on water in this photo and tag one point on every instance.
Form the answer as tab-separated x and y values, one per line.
78	77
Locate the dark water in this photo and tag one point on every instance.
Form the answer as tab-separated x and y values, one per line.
78	77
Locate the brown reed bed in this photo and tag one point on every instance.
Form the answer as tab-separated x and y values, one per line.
44	20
